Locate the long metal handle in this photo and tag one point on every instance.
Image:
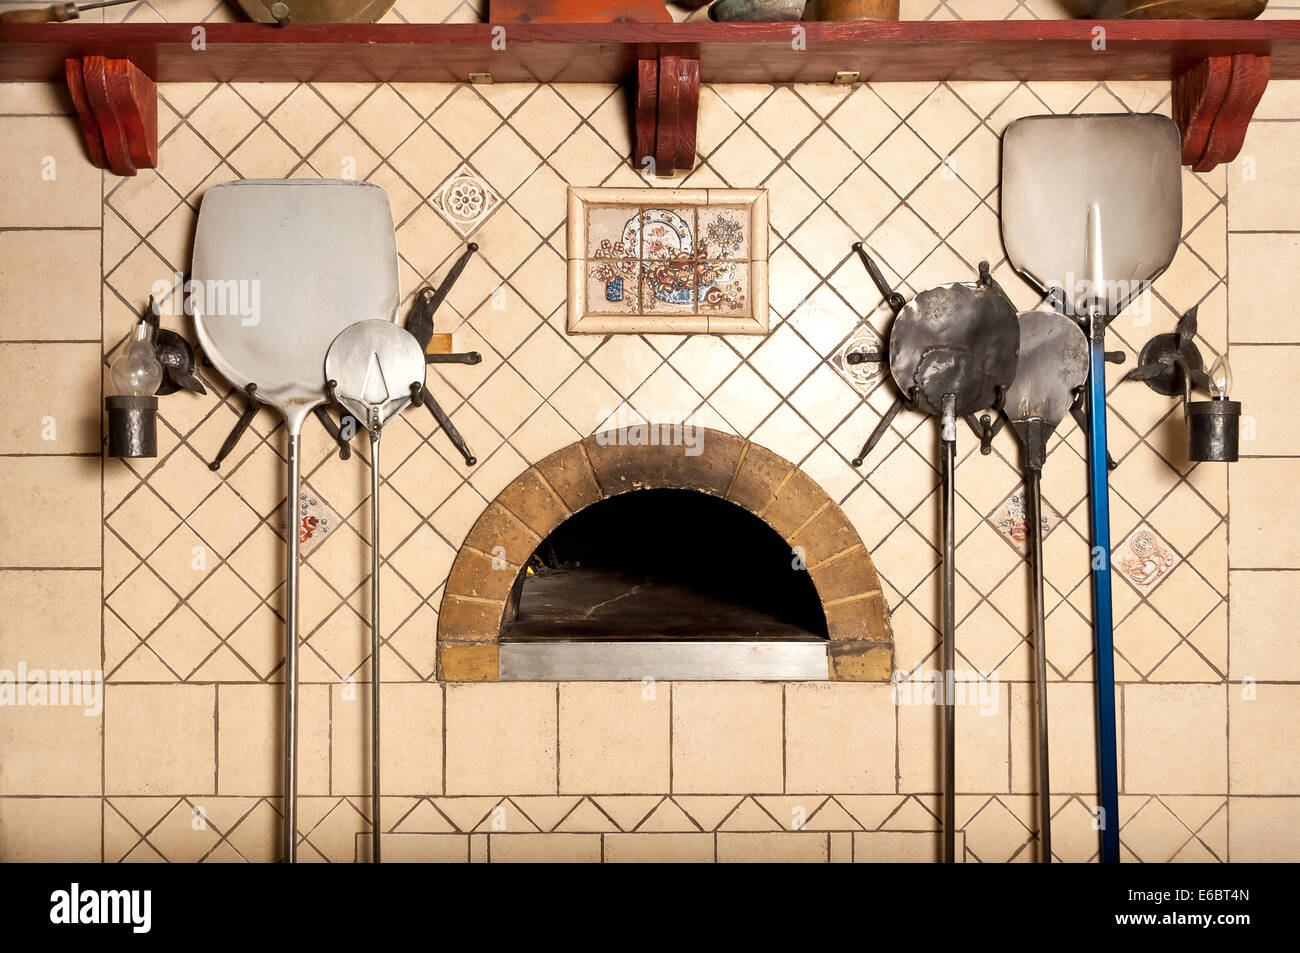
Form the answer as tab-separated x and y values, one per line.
450	280
290	842
374	640
448	427
948	457
1033	517
1103	626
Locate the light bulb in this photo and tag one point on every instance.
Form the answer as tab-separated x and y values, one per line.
1220	378
136	371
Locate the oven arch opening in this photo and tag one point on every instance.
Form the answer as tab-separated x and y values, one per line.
766	501
660	564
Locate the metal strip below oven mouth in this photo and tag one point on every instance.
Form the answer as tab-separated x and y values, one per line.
664	661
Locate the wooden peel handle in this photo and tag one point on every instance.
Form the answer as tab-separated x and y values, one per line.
58	13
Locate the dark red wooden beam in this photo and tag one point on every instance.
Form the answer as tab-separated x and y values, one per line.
728	52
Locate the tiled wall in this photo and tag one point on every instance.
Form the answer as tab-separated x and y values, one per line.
168	577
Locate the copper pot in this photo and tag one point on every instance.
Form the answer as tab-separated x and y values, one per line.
845	11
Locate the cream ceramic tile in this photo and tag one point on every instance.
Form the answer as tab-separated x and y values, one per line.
47	180
839	738
1262	739
544	848
614	738
160	739
34	634
518	721
53	748
26	825
802	847
1260	649
1264	512
62	496
55	417
49	284
1259	179
659	848
1161	722
1264	829
726	737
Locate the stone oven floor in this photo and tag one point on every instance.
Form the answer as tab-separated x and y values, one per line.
599	604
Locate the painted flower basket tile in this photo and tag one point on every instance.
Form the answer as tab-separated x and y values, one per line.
608	234
658	267
668	286
667	234
613	286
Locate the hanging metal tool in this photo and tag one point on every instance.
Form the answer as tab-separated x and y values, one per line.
322	255
419	322
1091	214
1050	376
952	351
374	369
58	13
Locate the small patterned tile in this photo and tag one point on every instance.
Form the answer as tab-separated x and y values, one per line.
1144	559
315	519
1010	521
465	200
863	377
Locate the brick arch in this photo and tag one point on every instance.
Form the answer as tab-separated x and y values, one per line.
481	580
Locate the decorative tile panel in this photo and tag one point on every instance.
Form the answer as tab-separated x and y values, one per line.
671	260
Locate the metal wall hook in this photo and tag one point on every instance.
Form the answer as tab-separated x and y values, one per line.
464	357
892	297
334	430
246	418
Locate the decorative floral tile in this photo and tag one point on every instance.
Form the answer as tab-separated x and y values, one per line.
1009	519
722	233
613	286
465	200
695	260
862	377
1144	559
612	232
667	234
314	518
668	286
723	287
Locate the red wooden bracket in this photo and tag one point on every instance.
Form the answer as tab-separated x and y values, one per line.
667	110
118	108
1213	102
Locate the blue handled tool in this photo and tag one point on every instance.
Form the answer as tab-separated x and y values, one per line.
1091	214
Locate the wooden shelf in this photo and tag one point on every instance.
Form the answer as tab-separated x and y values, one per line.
609	53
